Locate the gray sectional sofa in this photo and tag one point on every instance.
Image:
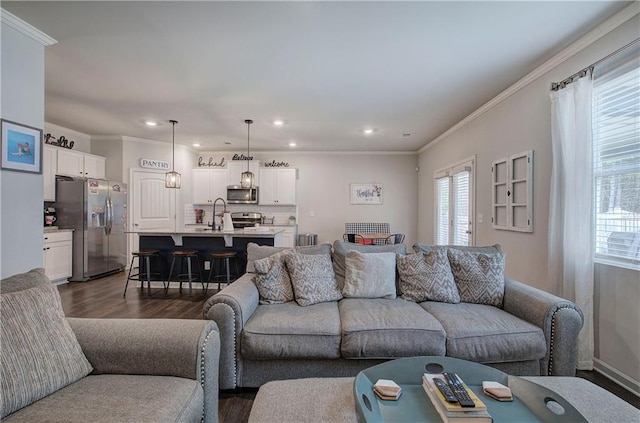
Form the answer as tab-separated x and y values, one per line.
59	369
531	332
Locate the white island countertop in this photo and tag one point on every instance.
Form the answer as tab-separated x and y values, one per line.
237	233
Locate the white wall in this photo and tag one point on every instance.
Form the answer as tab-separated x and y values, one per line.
323	189
519	123
22	99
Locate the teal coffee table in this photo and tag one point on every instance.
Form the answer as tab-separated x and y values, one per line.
531	403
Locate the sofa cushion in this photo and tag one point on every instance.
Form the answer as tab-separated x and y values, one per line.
340	249
424	248
119	398
312	278
427	276
479	276
277	331
257	252
30	279
370	275
487	334
272	279
40	353
381	328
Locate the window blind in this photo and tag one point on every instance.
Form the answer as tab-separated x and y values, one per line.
461	211
616	162
442	211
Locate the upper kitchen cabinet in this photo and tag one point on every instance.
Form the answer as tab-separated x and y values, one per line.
277	187
74	163
236	168
208	184
49	164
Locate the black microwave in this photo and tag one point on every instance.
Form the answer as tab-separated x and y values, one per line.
237	194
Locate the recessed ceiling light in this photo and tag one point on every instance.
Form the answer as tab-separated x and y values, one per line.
292	144
278	122
150	123
368	131
196	145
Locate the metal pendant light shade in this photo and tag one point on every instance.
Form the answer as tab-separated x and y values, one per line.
247	179
172	179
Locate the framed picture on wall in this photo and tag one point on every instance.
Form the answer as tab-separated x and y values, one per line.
366	193
21	147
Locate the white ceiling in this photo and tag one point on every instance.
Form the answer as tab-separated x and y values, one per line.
329	69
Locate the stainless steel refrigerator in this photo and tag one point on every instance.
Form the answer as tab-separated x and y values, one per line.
96	209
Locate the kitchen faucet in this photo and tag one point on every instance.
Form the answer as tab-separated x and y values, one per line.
213	225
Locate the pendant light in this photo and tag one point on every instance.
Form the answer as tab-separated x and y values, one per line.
247	179
172	179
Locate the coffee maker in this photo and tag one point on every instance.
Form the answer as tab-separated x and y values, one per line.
50	216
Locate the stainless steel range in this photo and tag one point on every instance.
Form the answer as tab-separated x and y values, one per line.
245	219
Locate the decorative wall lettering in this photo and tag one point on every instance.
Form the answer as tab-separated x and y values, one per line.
273	163
241	157
211	163
60	142
154	164
366	193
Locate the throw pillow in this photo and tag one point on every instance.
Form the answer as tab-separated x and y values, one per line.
40	353
370	275
340	249
272	279
312	278
424	248
257	252
30	279
479	276
427	276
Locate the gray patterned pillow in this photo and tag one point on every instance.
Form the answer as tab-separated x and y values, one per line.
427	276
312	278
257	252
40	352
272	279
371	275
479	276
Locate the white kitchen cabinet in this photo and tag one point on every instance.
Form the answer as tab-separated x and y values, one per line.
49	165
74	163
236	168
207	185
286	238
57	251
277	187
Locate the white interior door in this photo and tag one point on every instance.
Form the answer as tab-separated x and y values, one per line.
153	206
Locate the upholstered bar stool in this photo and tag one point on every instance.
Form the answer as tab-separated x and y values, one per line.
225	259
147	255
186	258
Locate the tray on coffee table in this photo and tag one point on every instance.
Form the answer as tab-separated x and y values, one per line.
531	402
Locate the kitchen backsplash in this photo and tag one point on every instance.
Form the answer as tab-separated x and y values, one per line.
279	213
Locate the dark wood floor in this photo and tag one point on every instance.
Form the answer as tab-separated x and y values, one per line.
103	298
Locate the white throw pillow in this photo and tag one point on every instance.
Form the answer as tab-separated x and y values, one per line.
371	275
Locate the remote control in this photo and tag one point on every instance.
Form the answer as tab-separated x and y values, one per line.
445	390
458	390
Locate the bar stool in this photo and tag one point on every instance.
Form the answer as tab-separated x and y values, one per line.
147	255
185	257
225	258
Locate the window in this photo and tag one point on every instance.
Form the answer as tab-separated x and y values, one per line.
616	162
454	205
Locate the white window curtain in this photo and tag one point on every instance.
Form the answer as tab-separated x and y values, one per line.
571	208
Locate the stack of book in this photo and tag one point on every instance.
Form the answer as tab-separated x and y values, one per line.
454	412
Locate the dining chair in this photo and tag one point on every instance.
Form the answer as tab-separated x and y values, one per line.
354	238
395	239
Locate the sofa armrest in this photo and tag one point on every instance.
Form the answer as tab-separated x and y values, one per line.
230	309
559	319
166	347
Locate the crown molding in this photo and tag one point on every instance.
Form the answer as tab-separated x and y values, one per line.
30	31
583	42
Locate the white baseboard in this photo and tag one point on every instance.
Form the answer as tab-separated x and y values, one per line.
617	376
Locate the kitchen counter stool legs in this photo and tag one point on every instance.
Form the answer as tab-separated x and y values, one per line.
144	272
185	257
225	258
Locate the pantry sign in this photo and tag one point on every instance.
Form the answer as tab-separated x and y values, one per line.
154	164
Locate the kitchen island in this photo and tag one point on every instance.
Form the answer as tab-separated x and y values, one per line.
206	241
